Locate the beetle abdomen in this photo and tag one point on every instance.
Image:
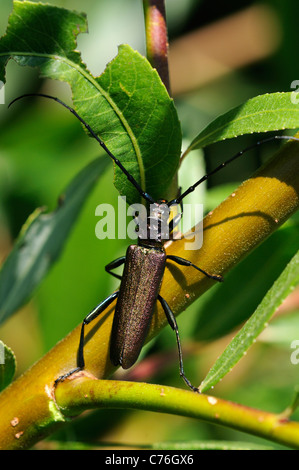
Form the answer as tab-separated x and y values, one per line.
140	286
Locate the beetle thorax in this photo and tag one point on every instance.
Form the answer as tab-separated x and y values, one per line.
155	228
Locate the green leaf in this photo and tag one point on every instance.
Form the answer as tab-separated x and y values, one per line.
292	407
283	330
139	111
295	402
7	365
209	445
42	240
269	112
282	287
232	302
127	106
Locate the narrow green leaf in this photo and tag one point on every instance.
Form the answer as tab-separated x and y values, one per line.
7	365
232	302
283	331
127	106
269	112
287	413
283	286
295	403
208	445
42	240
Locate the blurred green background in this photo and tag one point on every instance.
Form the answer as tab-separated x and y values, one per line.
231	52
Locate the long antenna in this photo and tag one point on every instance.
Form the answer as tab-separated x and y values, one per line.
132	180
222	165
143	194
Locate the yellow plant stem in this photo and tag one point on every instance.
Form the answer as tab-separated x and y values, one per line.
77	395
259	206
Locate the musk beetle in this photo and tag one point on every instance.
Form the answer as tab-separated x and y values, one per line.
144	266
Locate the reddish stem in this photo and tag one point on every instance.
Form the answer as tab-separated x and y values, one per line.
157	38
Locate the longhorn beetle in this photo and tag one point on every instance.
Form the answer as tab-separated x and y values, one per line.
144	266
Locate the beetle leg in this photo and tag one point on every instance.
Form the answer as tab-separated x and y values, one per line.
185	262
90	317
172	322
114	264
175	221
